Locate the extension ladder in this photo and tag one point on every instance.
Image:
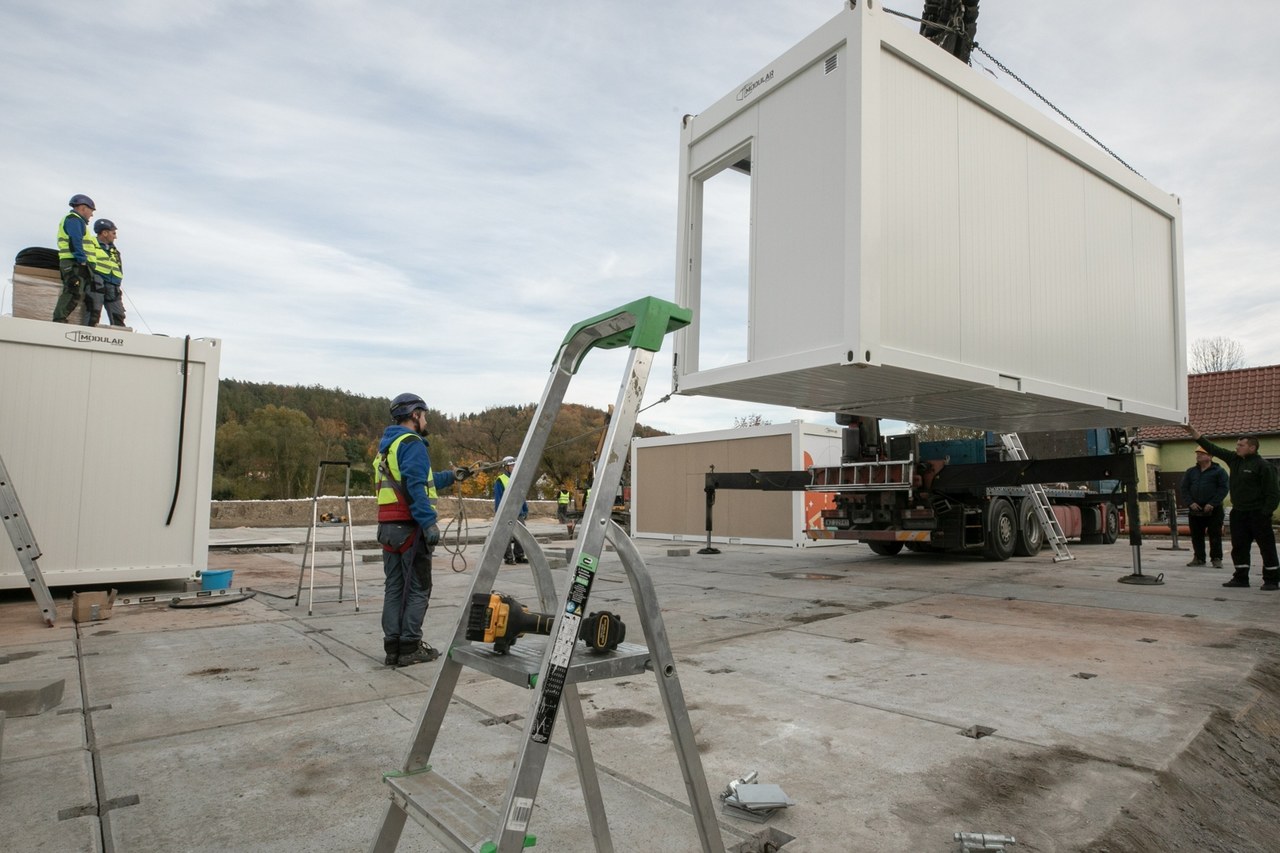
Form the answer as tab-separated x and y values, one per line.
348	544
24	544
451	814
1040	503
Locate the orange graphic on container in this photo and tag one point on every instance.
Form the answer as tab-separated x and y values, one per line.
815	502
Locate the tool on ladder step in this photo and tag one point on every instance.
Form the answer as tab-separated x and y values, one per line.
501	620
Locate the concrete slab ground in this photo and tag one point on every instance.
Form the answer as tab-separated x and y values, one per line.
844	677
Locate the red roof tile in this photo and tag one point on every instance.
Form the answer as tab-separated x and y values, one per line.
1228	403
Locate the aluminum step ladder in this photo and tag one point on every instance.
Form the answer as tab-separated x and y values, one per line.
24	545
551	666
348	543
1040	503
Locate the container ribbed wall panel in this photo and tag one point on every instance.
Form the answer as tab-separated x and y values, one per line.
89	431
926	246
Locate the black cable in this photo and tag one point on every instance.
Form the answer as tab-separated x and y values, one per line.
182	426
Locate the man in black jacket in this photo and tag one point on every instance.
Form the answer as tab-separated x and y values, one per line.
1255	494
1203	489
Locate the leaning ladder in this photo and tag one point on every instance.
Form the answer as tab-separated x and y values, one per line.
24	544
451	814
1040	503
348	544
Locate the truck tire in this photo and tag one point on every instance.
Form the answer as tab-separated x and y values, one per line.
1110	524
1002	531
885	549
1030	533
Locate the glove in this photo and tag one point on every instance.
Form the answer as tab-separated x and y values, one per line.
461	474
433	536
523	516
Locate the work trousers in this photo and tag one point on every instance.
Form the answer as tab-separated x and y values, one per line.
1202	522
102	294
408	582
1248	527
75	281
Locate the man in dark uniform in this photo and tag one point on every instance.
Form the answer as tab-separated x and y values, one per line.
1255	494
1203	489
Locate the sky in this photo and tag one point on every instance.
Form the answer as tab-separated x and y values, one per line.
425	195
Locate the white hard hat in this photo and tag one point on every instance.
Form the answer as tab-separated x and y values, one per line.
508	460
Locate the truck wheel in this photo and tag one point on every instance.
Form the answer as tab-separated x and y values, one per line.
1030	533
885	549
1110	525
1002	531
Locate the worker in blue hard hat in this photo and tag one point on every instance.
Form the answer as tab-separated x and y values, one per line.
108	275
73	260
407	528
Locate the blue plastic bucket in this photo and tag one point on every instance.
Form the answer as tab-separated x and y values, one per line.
216	580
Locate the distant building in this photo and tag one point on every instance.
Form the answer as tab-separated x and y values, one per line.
1224	406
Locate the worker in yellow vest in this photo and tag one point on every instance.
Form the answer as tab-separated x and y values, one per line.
108	275
514	553
407	528
562	505
73	260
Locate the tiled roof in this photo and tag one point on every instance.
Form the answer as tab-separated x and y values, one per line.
1228	403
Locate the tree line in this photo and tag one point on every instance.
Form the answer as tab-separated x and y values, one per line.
271	439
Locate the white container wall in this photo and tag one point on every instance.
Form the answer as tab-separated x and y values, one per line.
668	478
867	225
89	430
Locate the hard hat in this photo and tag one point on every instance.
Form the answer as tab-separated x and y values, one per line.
508	460
103	225
79	199
405	405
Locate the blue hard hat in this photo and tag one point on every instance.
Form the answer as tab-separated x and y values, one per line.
103	225
79	199
405	405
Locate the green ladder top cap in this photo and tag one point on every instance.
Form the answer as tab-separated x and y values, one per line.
652	319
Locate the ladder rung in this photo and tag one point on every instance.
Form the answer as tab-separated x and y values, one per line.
451	814
522	663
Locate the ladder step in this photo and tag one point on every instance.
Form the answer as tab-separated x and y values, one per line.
451	814
521	664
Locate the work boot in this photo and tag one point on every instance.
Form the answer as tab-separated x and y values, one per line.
1271	578
1217	564
392	648
1240	578
1196	561
411	653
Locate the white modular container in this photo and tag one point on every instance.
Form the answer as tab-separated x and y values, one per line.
921	245
668	480
90	429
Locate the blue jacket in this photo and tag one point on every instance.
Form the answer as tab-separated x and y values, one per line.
415	462
1204	487
498	489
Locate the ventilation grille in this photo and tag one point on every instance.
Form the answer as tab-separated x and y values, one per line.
831	63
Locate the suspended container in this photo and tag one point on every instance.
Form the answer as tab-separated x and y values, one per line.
868	225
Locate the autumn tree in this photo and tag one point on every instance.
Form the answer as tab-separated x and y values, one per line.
1209	355
283	449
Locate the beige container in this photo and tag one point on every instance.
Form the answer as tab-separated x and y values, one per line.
35	295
